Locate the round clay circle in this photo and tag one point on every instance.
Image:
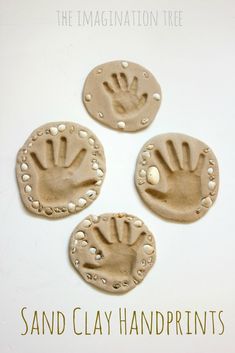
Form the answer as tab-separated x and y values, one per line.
60	169
122	95
113	252
177	176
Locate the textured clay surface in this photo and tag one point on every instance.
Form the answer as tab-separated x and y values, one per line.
122	95
113	252
60	169
177	176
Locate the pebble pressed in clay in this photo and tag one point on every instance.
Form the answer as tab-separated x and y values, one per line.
60	169
177	176
122	95
113	252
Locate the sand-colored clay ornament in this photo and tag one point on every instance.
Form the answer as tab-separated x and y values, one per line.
122	95
60	169
113	252
177	176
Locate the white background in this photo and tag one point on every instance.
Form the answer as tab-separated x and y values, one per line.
42	70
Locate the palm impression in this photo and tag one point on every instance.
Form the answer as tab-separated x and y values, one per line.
177	176
60	169
112	251
122	95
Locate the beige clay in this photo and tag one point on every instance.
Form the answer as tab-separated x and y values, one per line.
177	176
122	95
60	169
113	252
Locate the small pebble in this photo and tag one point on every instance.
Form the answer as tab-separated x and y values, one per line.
211	185
146	154
71	207
81	202
99	182
142	173
144	121
138	223
25	177
206	202
35	204
153	176
86	223
84	243
92	250
53	131
210	171
148	249
80	235
100	172
95	166
157	96
121	125
101	115
82	133
125	64
91	141
88	97
28	188
61	127
24	166
98	257
91	194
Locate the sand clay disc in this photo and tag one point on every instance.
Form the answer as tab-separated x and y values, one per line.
113	252
122	95
60	169
177	176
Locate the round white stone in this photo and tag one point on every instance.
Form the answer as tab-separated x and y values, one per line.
81	202
138	223
91	141
71	207
61	127
28	188
148	249
146	154
92	250
98	257
88	97
86	223
142	173
95	166
153	176
25	177
157	96
24	166
53	131
99	172
125	64
82	133
211	185
210	171
35	204
121	125
80	235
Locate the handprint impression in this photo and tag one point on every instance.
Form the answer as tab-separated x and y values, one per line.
125	97
58	182
183	182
